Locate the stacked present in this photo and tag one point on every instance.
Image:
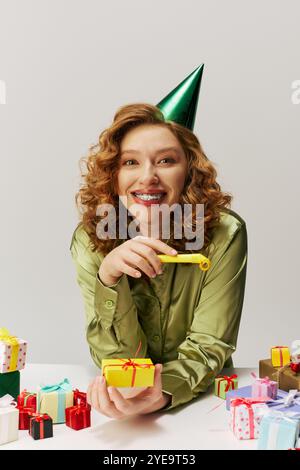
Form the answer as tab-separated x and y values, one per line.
269	408
35	412
12	360
51	404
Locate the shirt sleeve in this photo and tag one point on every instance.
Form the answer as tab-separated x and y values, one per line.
213	333
112	327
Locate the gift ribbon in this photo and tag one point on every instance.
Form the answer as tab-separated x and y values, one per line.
39	418
23	416
7	401
292	398
79	397
130	363
280	353
229	382
248	402
61	388
76	411
262	381
23	397
12	341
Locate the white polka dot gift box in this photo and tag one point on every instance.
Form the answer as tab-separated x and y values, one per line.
12	352
245	417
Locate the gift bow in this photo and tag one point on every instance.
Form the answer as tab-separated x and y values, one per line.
40	418
7	400
64	385
264	380
248	402
130	363
292	398
81	396
229	380
7	338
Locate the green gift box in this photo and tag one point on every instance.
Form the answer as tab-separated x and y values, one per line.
224	383
10	383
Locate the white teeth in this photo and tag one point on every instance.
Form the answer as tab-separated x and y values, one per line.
147	197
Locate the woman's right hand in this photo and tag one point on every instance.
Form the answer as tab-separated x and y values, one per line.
135	255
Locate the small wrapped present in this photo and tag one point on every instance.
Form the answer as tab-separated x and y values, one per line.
223	384
264	387
27	399
80	398
40	426
245	417
54	399
278	430
10	384
137	372
243	392
280	356
24	417
78	416
284	376
295	356
9	420
286	402
12	352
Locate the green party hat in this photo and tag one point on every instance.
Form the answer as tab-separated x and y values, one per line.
180	105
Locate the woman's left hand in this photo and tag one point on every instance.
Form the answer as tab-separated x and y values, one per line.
110	402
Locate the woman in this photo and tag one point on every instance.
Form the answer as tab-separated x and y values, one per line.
186	320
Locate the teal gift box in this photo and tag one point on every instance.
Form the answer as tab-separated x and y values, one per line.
279	430
10	384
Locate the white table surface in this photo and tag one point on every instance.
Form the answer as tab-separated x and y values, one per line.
190	426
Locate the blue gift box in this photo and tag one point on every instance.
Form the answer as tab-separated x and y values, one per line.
278	431
246	392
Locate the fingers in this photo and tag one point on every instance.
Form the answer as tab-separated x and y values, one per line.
140	262
158	245
157	386
153	394
98	398
155	265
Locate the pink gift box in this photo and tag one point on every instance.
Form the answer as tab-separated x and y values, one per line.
245	417
264	388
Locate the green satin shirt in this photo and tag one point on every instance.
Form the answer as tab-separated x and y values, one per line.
186	319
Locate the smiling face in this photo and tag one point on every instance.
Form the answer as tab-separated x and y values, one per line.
152	169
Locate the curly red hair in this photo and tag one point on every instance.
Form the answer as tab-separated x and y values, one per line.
101	168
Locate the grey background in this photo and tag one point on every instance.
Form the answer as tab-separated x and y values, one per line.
68	66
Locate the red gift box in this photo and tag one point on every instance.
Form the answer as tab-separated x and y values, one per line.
24	417
79	398
78	416
27	399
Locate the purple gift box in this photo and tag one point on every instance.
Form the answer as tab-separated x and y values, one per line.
246	392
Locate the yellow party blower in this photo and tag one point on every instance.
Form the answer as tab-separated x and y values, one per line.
204	263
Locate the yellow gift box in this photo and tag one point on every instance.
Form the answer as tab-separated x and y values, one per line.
280	356
137	372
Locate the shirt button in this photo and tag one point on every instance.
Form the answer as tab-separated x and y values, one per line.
109	303
156	338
